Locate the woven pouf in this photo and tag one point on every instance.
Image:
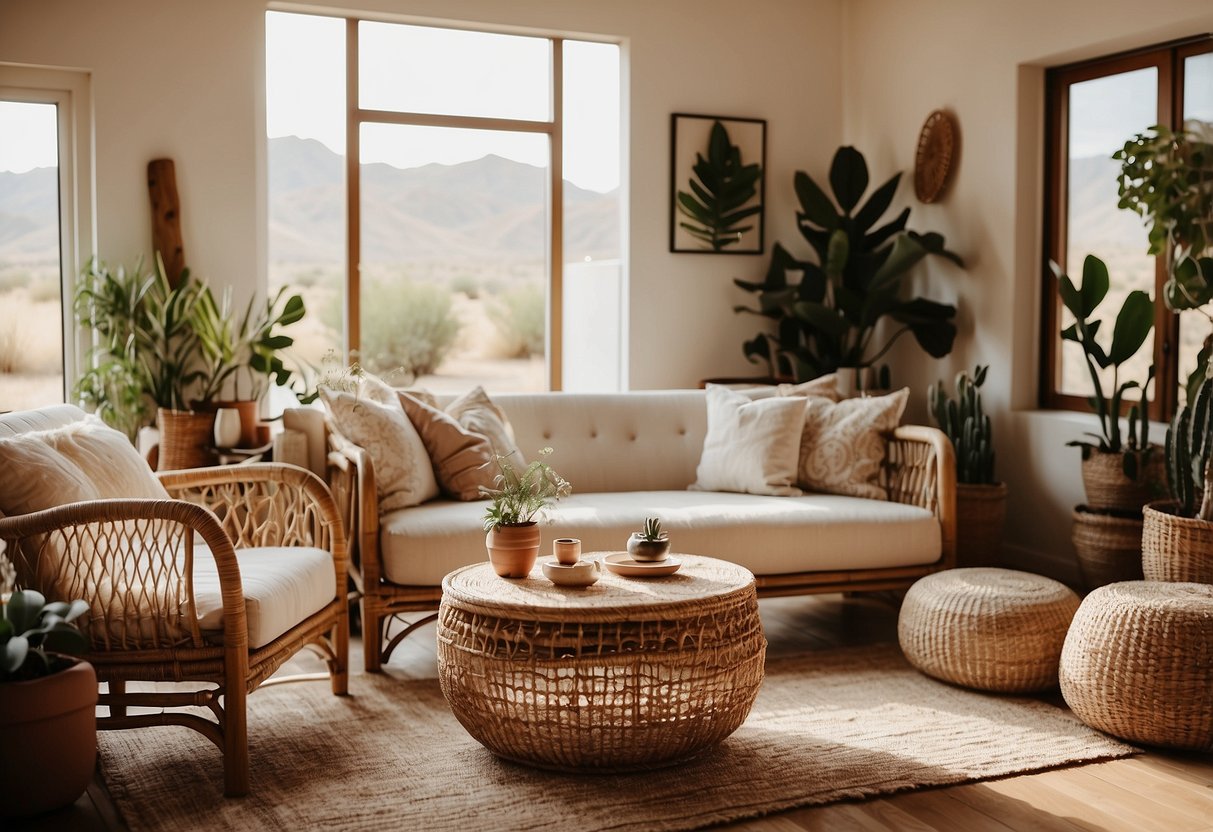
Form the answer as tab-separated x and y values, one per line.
1138	663
990	629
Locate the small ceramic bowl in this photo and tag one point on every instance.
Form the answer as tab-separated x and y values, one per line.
581	574
648	551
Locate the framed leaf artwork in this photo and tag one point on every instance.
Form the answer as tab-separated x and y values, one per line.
717	187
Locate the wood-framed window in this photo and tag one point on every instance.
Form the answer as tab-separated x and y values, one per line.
1092	109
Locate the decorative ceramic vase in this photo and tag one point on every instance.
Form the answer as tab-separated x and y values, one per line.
513	549
648	551
249	410
581	574
567	550
48	729
227	427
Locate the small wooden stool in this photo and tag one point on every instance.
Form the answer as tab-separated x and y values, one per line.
1138	663
990	629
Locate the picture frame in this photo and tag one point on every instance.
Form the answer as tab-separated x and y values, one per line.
690	140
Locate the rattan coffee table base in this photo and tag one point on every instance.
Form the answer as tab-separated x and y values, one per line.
629	674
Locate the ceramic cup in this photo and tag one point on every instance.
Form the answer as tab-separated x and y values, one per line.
567	550
227	427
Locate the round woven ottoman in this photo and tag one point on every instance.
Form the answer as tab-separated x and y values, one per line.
1138	663
990	629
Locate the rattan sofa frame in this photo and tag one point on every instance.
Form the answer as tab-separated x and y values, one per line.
228	508
919	469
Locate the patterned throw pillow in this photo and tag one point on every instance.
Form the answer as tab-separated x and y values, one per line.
750	446
462	459
844	443
403	474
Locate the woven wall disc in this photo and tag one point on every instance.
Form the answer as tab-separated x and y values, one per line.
936	156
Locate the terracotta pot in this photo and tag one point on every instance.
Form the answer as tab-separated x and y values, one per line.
1107	487
981	513
1174	548
249	418
648	551
186	439
513	549
1108	546
48	730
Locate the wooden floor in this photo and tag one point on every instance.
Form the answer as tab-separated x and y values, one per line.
1153	791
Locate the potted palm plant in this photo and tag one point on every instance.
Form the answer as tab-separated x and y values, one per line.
511	521
48	728
1177	536
981	501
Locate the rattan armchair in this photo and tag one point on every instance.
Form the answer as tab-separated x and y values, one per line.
134	561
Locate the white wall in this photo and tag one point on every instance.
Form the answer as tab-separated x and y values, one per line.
185	79
985	62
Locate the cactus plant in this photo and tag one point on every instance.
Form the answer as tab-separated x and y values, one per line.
652	530
1189	440
966	425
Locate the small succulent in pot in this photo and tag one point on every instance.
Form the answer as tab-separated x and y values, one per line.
650	544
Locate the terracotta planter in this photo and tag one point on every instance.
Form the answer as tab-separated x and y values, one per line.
981	513
1108	546
250	418
1107	487
513	549
48	730
1175	548
186	439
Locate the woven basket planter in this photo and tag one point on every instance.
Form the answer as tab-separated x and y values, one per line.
981	513
1108	547
991	629
1175	548
1107	487
186	439
1138	663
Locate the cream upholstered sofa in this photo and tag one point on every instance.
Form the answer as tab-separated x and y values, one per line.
632	455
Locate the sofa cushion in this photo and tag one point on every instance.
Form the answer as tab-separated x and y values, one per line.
476	412
844	443
462	460
767	535
283	585
751	446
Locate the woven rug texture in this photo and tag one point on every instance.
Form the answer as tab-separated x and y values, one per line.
828	726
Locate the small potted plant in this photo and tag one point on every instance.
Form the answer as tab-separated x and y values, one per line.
650	544
1177	537
510	521
981	501
48	728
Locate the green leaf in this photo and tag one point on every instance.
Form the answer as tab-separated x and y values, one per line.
15	651
822	317
848	177
877	204
816	206
1094	285
24	608
1133	325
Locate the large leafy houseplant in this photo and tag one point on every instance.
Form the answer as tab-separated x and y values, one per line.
832	315
715	206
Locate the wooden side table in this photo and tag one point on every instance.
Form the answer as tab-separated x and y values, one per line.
628	673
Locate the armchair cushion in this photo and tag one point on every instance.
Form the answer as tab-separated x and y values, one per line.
283	585
84	459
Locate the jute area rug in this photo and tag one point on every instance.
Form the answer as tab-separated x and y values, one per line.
828	726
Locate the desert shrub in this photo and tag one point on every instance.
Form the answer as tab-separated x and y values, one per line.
44	291
467	284
406	325
10	348
519	317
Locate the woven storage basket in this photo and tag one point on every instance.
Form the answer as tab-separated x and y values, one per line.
1108	488
981	512
186	439
991	629
1108	547
1175	548
1138	663
627	674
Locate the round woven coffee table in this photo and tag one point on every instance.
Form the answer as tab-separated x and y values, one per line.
628	673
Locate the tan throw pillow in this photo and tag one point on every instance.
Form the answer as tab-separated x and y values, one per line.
403	475
825	386
84	460
844	443
476	412
461	459
750	446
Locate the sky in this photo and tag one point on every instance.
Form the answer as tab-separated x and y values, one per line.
408	68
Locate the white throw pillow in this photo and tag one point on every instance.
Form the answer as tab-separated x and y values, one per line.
751	446
403	474
844	443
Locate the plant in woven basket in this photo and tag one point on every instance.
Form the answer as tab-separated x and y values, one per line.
1189	441
651	543
1133	324
966	425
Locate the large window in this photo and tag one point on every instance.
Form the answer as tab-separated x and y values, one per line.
1093	108
45	221
448	200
